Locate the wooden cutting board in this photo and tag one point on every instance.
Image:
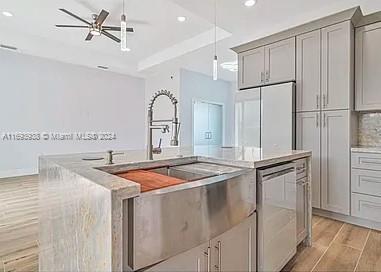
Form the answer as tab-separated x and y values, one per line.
149	180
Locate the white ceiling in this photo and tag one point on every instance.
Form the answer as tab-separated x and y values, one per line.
158	37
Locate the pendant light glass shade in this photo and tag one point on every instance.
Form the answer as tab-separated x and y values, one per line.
215	68
123	33
215	59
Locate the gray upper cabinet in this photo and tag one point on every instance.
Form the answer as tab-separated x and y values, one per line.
308	60
337	66
368	67
308	138
251	68
280	61
269	64
335	155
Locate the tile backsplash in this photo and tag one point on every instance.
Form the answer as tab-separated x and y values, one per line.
370	129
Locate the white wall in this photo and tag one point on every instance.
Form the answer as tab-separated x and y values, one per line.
40	95
196	86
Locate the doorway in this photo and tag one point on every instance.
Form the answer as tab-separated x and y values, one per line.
208	121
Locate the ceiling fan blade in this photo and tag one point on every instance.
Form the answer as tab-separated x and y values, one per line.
112	37
89	37
117	28
101	17
75	16
74	26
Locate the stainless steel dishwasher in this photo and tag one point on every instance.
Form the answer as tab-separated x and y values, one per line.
276	210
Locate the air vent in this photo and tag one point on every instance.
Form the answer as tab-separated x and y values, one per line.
8	47
102	67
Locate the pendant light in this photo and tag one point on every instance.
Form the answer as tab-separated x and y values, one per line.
123	31
215	59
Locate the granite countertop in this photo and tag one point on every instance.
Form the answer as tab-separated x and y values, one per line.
366	149
245	157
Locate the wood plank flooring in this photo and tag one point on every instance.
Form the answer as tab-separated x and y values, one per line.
336	246
340	247
19	224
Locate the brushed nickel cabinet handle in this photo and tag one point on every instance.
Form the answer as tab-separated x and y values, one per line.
267	76
324	101
317	120
207	254
218	266
262	77
324	120
317	101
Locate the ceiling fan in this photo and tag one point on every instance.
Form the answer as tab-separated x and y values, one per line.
96	27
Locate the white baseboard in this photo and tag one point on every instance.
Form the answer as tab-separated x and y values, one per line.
18	172
348	219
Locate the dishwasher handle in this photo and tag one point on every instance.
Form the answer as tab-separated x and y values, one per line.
274	174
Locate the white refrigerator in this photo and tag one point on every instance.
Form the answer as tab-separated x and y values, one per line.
265	118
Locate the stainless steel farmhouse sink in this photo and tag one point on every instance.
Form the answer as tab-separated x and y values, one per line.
162	223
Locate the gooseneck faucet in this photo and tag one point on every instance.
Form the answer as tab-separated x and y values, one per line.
159	124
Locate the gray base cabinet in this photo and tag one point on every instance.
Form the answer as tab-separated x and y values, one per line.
308	137
368	67
328	135
235	250
335	167
366	186
192	260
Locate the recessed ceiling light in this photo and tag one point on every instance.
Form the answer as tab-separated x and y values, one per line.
181	19
250	3
7	14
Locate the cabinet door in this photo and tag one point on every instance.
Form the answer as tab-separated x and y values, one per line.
336	161
308	138
301	210
280	61
368	67
337	66
235	250
191	260
308	57
251	66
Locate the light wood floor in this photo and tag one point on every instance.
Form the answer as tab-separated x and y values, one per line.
336	246
19	224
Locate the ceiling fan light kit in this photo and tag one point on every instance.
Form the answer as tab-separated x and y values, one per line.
96	28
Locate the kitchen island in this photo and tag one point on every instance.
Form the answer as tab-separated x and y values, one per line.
92	219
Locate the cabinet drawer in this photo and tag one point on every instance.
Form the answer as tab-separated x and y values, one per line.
366	182
301	169
366	207
368	161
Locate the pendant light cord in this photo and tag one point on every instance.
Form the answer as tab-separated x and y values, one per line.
124	11
215	28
